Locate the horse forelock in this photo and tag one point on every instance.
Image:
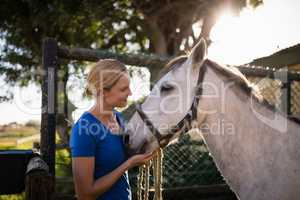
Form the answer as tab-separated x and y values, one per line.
176	60
172	64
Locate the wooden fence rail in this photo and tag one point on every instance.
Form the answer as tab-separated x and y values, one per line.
153	61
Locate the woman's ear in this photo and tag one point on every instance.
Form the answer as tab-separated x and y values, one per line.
104	92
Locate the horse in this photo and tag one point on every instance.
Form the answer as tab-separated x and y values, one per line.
255	147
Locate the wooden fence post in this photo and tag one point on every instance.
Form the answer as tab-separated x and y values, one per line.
49	103
285	99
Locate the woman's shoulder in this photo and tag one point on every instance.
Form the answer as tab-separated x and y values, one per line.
86	128
85	117
87	122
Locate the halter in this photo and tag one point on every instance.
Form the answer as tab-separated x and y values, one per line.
184	125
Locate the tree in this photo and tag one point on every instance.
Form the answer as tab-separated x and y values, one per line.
159	27
169	23
73	23
24	24
152	26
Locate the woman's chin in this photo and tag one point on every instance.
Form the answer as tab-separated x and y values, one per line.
122	104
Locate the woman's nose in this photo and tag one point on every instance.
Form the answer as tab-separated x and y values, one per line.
130	93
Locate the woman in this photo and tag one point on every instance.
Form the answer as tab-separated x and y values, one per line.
98	158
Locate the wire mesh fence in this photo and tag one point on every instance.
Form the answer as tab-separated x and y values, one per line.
271	89
295	98
186	162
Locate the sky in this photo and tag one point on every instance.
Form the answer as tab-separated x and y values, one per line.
236	40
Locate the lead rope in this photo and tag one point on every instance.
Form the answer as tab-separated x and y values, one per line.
144	176
157	168
140	183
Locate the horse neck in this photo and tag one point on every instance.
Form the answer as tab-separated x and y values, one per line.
247	140
225	102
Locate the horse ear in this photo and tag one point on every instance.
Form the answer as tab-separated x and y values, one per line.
198	52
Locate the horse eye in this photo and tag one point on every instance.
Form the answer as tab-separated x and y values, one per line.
166	87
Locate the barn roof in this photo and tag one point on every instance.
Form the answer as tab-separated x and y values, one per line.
285	57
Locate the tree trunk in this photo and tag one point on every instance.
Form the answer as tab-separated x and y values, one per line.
158	43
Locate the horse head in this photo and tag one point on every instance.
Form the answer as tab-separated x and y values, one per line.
171	105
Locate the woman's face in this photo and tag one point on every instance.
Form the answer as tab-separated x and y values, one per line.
118	94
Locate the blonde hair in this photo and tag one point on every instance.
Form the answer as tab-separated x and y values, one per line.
103	76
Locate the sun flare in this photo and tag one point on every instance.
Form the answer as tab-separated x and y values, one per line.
255	33
233	38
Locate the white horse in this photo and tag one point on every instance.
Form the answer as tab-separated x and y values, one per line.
256	148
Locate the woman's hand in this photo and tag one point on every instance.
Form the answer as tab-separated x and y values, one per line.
140	159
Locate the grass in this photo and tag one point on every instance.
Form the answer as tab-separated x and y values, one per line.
7	144
13	197
19	132
9	137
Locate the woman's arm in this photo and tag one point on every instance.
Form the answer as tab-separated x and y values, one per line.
83	173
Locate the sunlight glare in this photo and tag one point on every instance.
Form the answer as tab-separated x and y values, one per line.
255	32
233	38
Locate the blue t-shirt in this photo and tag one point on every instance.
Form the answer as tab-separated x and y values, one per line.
91	138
